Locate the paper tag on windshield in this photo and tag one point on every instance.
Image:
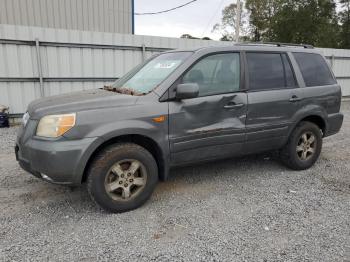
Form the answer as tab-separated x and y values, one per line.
165	65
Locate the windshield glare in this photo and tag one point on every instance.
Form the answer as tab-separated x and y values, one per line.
144	79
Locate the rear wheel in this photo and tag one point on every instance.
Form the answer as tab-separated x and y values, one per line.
122	177
303	147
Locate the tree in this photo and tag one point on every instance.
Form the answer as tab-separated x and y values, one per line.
261	13
294	21
188	36
228	22
345	24
314	22
226	38
306	21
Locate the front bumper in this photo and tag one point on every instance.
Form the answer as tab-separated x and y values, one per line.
60	161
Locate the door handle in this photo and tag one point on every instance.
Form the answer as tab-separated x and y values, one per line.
295	99
233	106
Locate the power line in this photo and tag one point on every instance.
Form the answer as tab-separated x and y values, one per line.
211	19
168	10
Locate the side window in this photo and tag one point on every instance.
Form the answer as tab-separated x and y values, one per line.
266	71
314	69
215	74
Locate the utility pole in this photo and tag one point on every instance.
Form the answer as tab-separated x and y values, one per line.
238	19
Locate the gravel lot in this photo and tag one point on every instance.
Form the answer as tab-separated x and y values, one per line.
247	209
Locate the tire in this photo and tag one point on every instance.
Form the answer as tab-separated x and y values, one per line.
115	184
298	154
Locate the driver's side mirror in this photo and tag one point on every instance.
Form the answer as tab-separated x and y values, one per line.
186	91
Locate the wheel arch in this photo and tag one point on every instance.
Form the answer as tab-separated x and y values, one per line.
316	119
141	140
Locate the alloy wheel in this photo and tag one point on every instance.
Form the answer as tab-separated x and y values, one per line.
306	146
125	180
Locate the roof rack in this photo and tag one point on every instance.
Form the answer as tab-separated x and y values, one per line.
275	44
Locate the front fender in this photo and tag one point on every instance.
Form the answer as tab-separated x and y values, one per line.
105	132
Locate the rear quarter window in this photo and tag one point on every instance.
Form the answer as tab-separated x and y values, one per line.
314	69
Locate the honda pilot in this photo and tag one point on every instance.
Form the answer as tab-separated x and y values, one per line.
180	108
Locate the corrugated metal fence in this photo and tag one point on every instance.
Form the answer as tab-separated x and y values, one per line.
91	15
37	62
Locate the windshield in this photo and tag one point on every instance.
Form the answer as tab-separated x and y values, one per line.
143	79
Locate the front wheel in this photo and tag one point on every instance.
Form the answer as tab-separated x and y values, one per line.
122	177
303	147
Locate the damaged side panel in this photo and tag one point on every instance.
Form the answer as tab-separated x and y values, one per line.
208	127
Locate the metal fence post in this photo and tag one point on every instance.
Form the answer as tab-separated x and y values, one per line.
332	61
143	52
40	73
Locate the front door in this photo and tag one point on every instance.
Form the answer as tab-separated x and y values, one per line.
212	125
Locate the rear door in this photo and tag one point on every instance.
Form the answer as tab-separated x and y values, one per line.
211	125
272	99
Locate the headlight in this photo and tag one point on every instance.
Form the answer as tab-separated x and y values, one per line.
55	125
25	118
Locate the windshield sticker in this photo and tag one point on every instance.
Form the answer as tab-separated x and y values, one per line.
165	65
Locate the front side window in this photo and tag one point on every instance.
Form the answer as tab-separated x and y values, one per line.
269	71
215	74
314	69
144	79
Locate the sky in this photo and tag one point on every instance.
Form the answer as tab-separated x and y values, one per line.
196	19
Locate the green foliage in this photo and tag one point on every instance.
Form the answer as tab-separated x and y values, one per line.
314	22
228	22
261	13
306	21
344	17
188	36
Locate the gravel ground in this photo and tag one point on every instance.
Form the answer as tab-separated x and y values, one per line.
247	209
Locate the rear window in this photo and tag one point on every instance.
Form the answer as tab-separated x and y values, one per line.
314	69
269	71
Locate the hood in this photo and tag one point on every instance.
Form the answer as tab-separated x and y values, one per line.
78	101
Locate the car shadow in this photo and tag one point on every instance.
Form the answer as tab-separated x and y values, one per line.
76	199
227	167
